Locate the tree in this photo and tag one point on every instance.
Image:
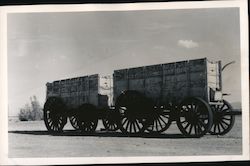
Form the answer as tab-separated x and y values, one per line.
32	111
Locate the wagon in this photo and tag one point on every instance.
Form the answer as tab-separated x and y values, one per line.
146	99
77	99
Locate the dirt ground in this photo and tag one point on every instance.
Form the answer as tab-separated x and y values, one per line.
31	139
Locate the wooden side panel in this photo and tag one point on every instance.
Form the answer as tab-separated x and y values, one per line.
197	84
93	89
153	81
175	84
168	87
120	82
197	75
119	87
182	80
49	90
136	79
137	84
165	82
75	91
197	65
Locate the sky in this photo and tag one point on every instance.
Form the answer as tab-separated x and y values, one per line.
43	47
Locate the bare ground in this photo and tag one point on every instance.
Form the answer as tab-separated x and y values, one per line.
31	139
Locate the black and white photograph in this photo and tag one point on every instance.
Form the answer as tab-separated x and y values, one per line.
125	83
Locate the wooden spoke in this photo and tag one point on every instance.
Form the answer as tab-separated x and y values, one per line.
199	127
203	124
218	128
190	129
187	126
221	108
130	127
125	121
196	129
226	118
165	123
73	122
222	121
137	124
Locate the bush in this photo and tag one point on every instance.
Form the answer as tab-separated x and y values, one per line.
32	111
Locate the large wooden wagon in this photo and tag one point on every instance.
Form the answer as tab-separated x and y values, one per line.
147	99
77	99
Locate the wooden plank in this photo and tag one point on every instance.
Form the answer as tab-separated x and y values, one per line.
119	86
153	87
181	67
136	73
197	92
197	65
120	74
137	84
93	83
76	91
153	70
197	79
93	98
168	69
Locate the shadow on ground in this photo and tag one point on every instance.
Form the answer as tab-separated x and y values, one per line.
99	134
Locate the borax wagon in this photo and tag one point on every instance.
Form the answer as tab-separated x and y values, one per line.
146	99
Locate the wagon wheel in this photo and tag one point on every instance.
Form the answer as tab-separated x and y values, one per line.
133	112
110	121
195	117
161	119
223	119
86	118
54	114
73	122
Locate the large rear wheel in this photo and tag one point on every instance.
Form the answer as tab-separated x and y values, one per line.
160	119
195	117
134	111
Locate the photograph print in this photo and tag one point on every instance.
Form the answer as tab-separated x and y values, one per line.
124	81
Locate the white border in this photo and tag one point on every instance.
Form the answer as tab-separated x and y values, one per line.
242	4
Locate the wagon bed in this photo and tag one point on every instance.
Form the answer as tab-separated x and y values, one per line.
171	82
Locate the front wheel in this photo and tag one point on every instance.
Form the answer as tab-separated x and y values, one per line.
223	118
54	114
110	121
86	118
195	117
